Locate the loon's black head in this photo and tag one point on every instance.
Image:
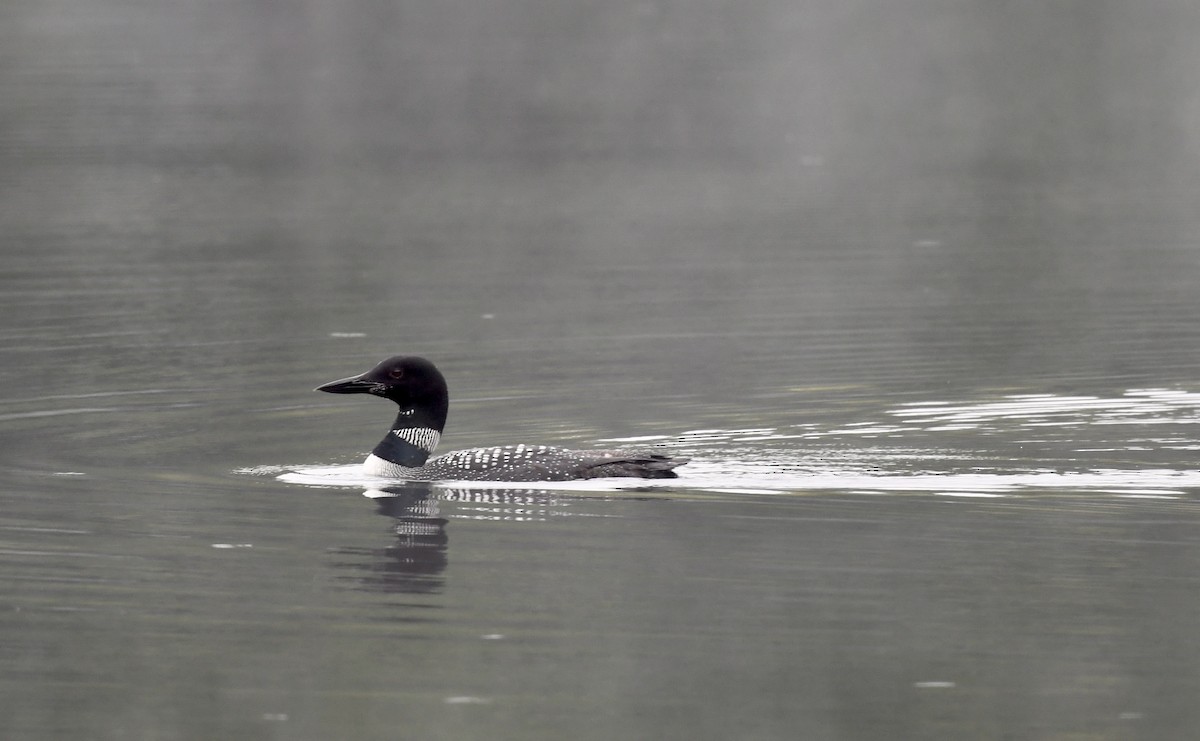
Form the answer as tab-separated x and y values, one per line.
413	383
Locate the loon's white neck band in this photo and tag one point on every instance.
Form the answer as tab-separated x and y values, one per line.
407	446
422	437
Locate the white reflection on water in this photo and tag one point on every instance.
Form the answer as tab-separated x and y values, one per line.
1136	406
944	448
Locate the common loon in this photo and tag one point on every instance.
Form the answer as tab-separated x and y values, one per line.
419	389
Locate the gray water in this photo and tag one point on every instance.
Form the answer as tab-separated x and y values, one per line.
914	285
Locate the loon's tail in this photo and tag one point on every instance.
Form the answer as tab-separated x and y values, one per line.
634	465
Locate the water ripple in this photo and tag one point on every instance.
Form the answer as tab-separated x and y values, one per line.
1016	445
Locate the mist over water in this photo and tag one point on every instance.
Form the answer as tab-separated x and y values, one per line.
913	283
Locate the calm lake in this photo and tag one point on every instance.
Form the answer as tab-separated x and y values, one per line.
914	285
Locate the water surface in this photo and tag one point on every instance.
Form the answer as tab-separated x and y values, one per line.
914	287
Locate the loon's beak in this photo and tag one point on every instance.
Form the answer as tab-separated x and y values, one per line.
352	385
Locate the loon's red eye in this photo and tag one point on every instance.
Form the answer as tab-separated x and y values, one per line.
396	373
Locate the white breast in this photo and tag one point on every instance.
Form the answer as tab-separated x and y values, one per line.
376	466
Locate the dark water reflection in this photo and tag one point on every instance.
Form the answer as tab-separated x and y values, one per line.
914	285
416	561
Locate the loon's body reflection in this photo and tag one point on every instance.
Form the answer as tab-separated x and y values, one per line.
415	561
418	556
